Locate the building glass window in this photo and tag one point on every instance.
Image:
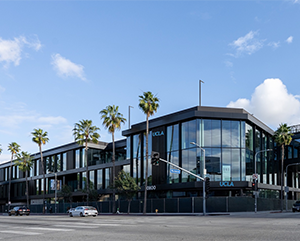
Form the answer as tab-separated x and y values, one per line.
64	161
212	163
172	157
173	138
92	179
58	163
249	152
99	179
231	134
77	158
136	157
188	134
128	147
189	162
211	131
107	178
83	182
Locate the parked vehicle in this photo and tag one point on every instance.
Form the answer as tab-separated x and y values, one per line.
84	211
296	206
70	210
19	211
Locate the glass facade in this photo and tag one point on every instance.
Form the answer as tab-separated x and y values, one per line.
229	147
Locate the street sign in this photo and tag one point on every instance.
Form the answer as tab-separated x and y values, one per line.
175	171
286	189
255	176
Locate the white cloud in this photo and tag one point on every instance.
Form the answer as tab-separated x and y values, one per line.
275	45
11	50
247	44
289	40
272	104
64	67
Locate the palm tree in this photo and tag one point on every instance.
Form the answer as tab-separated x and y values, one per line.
148	104
84	132
25	163
14	148
40	137
112	120
283	137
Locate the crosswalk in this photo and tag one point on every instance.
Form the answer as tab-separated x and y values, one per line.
40	230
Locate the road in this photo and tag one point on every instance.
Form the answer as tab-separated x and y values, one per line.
236	226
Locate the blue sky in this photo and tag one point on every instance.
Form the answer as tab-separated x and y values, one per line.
64	61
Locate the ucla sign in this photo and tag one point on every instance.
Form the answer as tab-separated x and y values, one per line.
226	184
158	133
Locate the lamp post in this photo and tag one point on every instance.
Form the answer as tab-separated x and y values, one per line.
286	180
129	115
255	203
204	172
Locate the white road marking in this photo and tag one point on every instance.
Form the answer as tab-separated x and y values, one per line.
19	232
51	229
74	226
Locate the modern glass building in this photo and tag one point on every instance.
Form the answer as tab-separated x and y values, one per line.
67	162
232	140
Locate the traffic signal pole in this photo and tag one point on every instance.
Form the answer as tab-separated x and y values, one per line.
190	173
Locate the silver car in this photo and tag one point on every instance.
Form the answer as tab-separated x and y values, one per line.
84	211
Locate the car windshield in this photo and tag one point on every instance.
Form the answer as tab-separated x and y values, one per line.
90	208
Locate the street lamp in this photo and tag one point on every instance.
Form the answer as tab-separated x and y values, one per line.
286	180
204	172
255	204
129	115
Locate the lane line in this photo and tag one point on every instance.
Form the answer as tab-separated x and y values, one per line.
19	232
50	229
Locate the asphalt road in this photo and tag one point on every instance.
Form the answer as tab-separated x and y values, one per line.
236	226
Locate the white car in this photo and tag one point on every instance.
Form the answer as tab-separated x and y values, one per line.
84	211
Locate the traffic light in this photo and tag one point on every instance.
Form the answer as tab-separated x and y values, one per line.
254	185
155	158
207	185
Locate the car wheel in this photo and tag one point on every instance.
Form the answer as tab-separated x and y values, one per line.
21	214
9	214
293	210
81	215
16	214
94	215
27	214
71	215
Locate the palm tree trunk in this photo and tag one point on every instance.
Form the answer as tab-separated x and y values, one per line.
87	174
281	190
146	178
114	167
9	185
44	183
27	194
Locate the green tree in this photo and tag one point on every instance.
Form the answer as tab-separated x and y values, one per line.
127	186
25	163
41	138
66	193
148	103
14	148
282	137
84	132
112	120
0	150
